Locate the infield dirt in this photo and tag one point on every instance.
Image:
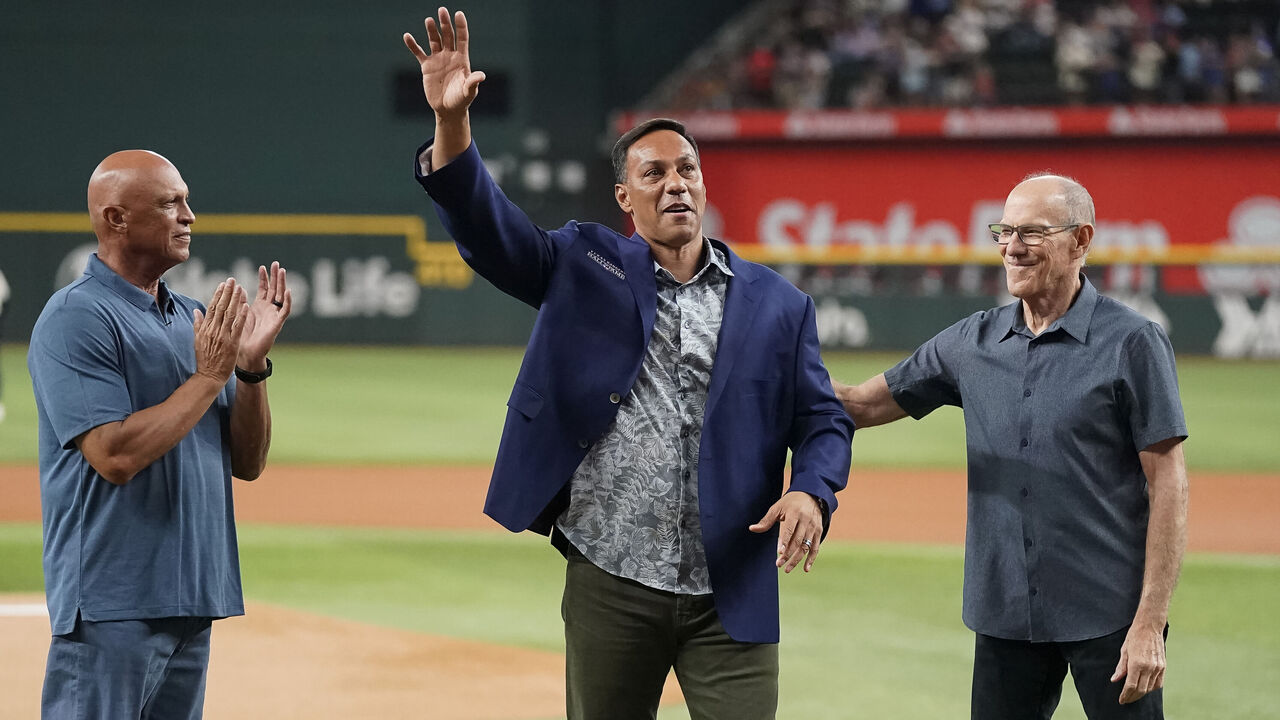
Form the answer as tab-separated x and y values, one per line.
281	663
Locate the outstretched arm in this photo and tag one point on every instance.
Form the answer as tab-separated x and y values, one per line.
447	82
1142	657
870	403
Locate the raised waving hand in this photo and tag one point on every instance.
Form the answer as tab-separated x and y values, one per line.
448	82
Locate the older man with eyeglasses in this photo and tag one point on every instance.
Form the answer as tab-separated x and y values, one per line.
1077	485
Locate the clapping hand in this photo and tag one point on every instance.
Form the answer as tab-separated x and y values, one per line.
266	315
219	330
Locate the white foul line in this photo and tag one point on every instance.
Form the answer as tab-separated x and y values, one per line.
23	610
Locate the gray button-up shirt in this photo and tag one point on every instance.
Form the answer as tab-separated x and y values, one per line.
633	501
1058	507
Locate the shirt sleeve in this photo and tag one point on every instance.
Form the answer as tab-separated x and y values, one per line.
424	158
76	373
927	379
1148	387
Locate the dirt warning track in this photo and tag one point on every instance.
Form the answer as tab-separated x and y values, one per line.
281	663
1229	512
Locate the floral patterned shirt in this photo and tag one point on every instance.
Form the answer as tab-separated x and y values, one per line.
633	506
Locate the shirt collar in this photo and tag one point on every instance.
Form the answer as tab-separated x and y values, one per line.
1075	322
715	258
135	295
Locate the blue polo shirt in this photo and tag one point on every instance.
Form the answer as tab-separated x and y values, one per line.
164	544
1057	527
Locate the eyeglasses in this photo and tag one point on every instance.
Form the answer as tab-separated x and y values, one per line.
1028	234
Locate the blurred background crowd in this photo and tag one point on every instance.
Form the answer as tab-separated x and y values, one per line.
829	54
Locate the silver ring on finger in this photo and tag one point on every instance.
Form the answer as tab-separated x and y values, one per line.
807	543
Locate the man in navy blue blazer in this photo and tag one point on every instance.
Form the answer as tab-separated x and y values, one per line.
648	428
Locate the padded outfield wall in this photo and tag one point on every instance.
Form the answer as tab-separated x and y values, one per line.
288	108
294	125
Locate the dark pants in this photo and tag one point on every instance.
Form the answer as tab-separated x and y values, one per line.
1019	680
125	669
622	638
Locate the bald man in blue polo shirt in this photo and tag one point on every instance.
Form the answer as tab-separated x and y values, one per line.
141	430
1077	485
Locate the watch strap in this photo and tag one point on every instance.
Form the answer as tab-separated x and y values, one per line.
254	377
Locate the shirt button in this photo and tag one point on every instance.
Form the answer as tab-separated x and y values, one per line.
582	443
615	398
1029	543
686	474
1024	442
684	433
1026	393
1024	492
1035	591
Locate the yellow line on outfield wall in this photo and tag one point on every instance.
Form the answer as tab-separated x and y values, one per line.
238	224
437	263
857	255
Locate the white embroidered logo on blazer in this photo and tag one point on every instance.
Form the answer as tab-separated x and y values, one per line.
606	264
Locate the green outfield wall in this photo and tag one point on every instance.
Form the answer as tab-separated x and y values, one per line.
388	280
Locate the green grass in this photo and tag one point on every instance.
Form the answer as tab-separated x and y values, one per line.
446	405
389	405
331	405
873	632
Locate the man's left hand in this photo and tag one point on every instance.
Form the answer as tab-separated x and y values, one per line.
801	530
1142	663
267	313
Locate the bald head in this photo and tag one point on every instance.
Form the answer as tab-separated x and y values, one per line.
1065	191
121	180
139	210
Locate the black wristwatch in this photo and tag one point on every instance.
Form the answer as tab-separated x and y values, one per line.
254	377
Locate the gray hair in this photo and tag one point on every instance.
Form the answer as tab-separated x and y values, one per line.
1079	202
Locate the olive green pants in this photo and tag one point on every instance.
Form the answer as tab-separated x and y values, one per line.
622	638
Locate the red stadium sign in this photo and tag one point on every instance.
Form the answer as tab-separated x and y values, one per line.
934	200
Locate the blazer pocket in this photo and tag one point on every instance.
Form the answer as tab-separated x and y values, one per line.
525	400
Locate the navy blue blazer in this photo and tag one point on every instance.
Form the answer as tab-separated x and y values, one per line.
596	297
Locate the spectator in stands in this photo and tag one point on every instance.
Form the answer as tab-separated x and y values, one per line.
1146	69
860	53
760	66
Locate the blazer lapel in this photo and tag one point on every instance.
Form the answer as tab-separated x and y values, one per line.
637	262
740	305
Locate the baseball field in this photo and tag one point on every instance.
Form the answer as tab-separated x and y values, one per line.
377	589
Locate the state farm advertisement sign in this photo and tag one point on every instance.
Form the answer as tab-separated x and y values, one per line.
1147	195
929	197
